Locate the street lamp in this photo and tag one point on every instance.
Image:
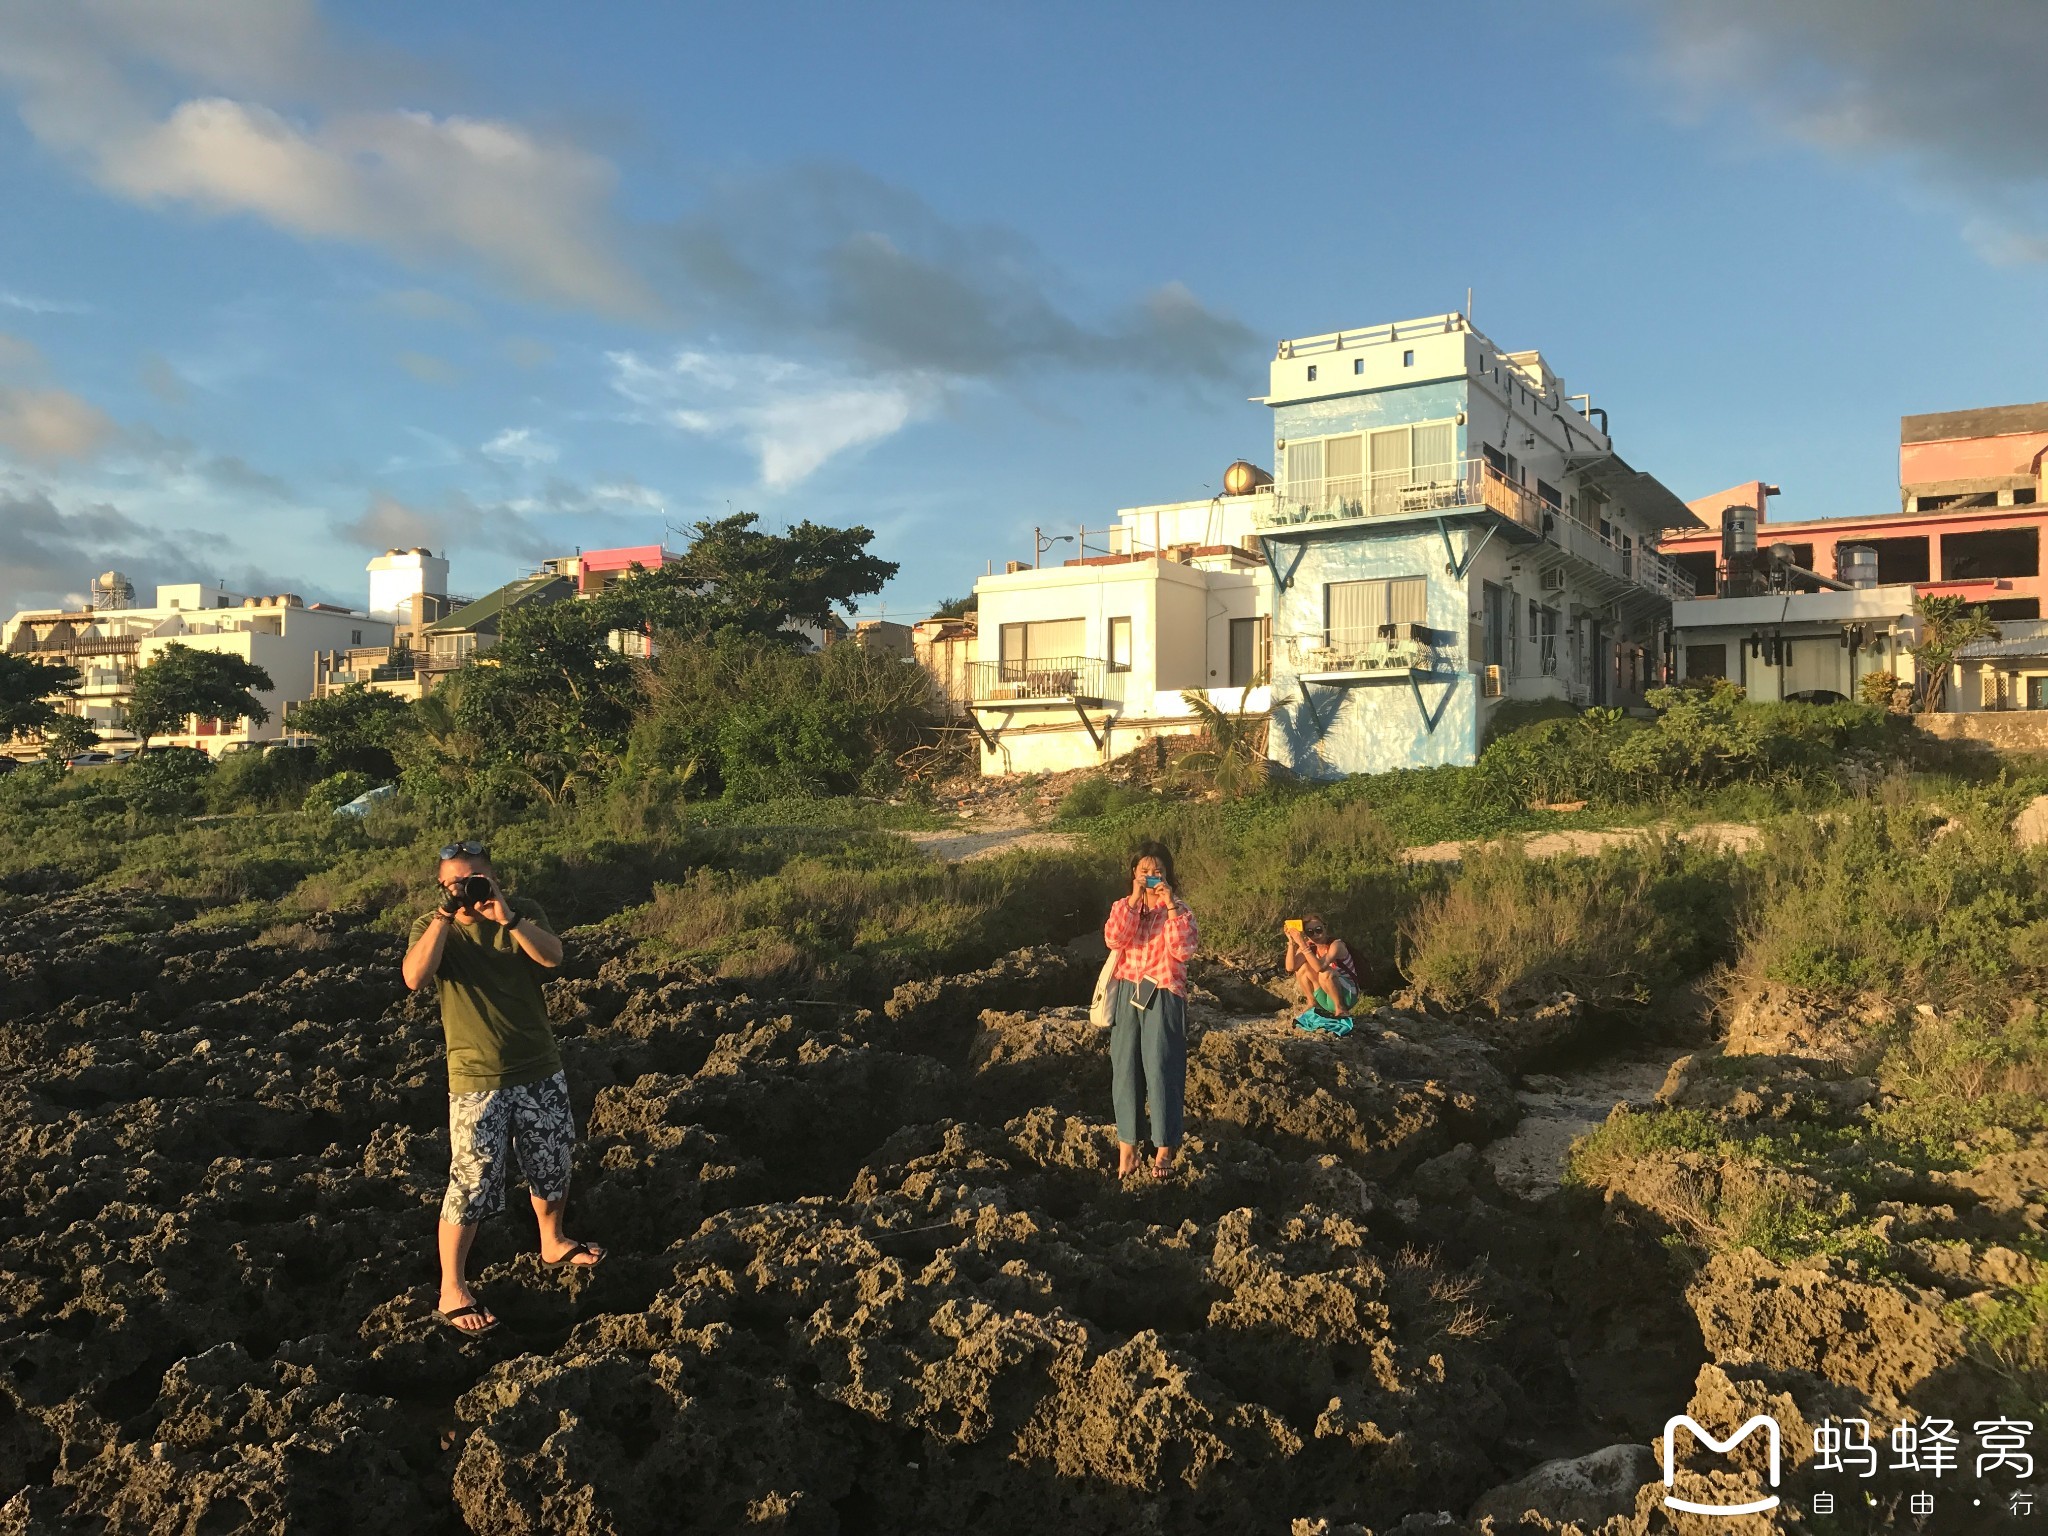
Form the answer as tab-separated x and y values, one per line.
1044	541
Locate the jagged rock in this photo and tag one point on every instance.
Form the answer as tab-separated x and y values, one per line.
1581	1490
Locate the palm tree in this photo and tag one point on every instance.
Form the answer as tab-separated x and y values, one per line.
1234	762
1947	624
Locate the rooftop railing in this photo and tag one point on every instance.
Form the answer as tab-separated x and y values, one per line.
98	645
1052	679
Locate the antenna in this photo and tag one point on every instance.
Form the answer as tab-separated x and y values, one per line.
1468	305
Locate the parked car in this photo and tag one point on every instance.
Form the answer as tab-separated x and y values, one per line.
360	806
1816	696
89	760
8	764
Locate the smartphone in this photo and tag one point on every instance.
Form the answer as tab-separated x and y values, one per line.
1145	991
1153	882
1292	925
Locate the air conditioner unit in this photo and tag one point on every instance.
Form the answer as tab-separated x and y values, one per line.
1552	580
1489	682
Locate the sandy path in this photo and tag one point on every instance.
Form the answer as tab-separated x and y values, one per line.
1558	1110
962	847
1735	836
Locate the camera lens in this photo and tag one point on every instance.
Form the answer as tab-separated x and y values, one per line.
476	889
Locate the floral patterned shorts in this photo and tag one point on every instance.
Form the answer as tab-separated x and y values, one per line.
533	1120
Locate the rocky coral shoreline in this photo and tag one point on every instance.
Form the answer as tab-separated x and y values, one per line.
872	1270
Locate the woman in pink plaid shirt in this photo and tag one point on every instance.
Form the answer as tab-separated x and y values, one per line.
1153	934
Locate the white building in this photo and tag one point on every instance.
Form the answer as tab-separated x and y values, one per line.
1813	645
1079	663
280	633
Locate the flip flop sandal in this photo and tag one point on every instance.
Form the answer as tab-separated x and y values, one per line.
570	1256
449	1321
1162	1174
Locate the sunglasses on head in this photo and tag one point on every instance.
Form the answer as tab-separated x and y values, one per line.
462	850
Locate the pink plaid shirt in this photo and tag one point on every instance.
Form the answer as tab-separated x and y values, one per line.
1151	942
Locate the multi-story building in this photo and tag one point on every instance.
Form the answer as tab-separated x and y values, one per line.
1080	662
1446	529
1973	501
1449	528
111	639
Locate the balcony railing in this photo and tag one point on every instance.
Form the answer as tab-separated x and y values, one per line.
98	645
1055	679
1384	648
1468	484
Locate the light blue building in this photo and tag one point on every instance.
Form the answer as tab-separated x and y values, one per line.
1448	529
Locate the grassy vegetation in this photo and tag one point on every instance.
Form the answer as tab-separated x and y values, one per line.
1508	931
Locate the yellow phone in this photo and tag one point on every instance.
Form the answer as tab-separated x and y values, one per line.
1292	925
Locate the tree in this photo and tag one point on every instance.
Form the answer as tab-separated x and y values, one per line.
763	582
556	699
182	682
955	607
29	688
355	727
67	736
1234	762
1947	624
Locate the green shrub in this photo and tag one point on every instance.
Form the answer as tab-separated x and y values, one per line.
1893	898
1099	795
1509	931
272	780
167	779
336	790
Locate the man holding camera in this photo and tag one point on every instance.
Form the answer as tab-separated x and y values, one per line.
488	953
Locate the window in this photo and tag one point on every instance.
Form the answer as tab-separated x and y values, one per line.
1356	611
1040	643
355	637
1311	373
1547	494
1370	472
1991	553
1899	560
1120	644
1706	661
1251	645
1358	365
1543	636
1493	624
2013	608
2023	497
1408	359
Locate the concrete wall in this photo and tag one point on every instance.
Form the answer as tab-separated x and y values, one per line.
1374	726
2016	730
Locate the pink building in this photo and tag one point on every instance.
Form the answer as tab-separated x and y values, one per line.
1972	509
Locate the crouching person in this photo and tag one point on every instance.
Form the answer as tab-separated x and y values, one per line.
487	953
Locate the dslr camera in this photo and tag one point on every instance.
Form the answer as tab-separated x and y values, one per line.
472	891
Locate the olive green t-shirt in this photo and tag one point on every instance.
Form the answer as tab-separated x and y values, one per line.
492	1008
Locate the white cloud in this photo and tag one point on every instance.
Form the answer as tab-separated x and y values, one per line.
30	304
531	212
521	445
46	425
792	417
1951	93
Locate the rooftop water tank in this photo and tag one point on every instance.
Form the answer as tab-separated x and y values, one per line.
1856	565
1738	530
1243	477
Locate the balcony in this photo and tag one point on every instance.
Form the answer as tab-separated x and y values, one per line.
1050	680
1391	649
98	645
1473	485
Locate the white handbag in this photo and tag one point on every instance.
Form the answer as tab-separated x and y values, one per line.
1098	1007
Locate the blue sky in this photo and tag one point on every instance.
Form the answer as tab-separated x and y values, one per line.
282	284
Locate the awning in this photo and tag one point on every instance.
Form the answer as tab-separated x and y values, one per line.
1645	495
